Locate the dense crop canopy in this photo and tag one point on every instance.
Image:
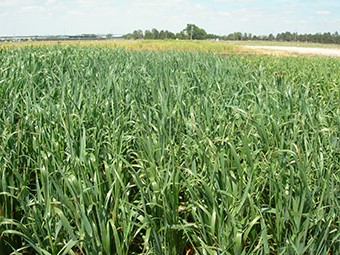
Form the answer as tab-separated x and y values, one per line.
108	151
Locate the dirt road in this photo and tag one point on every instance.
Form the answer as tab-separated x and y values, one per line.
301	50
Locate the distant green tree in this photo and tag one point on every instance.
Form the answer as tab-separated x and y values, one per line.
238	36
235	36
336	37
162	35
128	36
179	36
287	36
212	36
193	32
263	38
155	34
138	34
88	35
148	35
230	37
327	37
170	35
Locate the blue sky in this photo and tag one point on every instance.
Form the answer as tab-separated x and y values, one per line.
42	17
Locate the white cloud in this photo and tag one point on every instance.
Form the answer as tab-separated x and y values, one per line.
8	3
232	1
50	2
123	16
77	13
223	13
86	1
32	9
323	12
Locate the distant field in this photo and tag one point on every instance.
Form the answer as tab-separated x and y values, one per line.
288	50
153	45
204	148
289	44
220	47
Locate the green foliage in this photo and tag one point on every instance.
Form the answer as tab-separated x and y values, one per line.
107	151
193	32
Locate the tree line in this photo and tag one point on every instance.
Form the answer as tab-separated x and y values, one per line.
193	32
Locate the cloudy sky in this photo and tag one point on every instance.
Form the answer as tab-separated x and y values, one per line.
51	17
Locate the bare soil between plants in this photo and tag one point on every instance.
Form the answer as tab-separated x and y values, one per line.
301	50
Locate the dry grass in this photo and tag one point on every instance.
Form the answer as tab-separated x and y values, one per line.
221	47
149	45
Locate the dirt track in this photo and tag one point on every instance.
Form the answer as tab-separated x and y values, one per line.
301	50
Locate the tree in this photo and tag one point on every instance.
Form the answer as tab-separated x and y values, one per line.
287	36
230	37
235	36
162	35
170	35
193	32
212	36
336	37
238	36
180	36
138	34
155	33
148	35
128	36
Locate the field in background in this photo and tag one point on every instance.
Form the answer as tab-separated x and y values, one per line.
289	44
220	47
110	151
163	45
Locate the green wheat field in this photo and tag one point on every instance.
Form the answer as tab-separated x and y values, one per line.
113	151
